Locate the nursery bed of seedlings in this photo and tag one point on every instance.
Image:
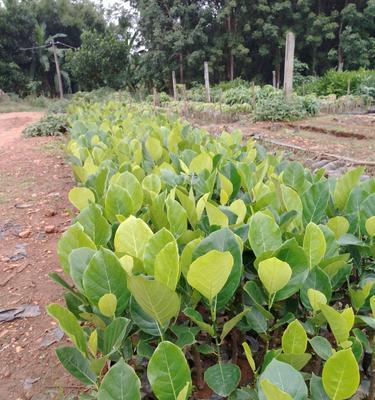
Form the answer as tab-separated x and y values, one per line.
203	265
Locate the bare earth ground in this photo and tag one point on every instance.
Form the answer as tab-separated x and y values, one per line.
346	136
34	182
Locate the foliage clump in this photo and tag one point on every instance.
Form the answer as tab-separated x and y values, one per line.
199	253
50	125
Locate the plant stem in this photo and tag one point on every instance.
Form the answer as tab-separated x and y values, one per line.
198	368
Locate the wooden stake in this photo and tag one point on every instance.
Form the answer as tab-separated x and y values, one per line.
207	82
274	79
57	69
174	85
348	90
289	64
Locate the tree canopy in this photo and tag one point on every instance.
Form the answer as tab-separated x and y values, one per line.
142	43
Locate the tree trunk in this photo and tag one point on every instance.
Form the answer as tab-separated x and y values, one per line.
181	68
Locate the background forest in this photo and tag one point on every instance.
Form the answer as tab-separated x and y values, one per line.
138	43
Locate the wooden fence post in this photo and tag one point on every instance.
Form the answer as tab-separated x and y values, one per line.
156	97
207	82
274	79
289	64
174	85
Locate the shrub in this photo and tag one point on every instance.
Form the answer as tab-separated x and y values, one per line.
194	252
49	125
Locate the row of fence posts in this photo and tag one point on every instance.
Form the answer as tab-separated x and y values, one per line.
288	74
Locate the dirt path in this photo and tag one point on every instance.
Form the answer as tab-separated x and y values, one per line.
34	182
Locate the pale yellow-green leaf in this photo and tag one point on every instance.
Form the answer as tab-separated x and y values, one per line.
249	356
201	205
92	343
294	339
209	273
337	322
314	244
154	147
201	162
187	254
349	317
339	225
132	236
155	298
274	274
344	186
372	305
273	392
184	392
238	207
167	268
316	298
341	375
370	226
90	167
292	201
81	197
107	305
127	262
216	216
229	325
226	189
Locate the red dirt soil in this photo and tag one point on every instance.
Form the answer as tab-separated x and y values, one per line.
34	181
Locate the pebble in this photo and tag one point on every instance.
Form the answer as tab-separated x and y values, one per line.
50	229
25	234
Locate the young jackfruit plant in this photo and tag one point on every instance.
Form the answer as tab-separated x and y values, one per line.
202	264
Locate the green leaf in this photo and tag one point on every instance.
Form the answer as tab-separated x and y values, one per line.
339	225
264	234
184	392
314	244
134	189
120	383
76	364
229	325
188	202
315	202
117	202
177	217
249	356
197	318
132	236
155	298
168	372
167	267
103	275
316	388
81	197
107	305
286	378
294	339
69	324
209	273
272	392
224	240
321	346
274	274
345	185
95	225
294	175
359	296
143	320
155	244
337	322
297	361
114	335
292	202
341	375
223	379
316	298
317	280
73	238
79	259
187	256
